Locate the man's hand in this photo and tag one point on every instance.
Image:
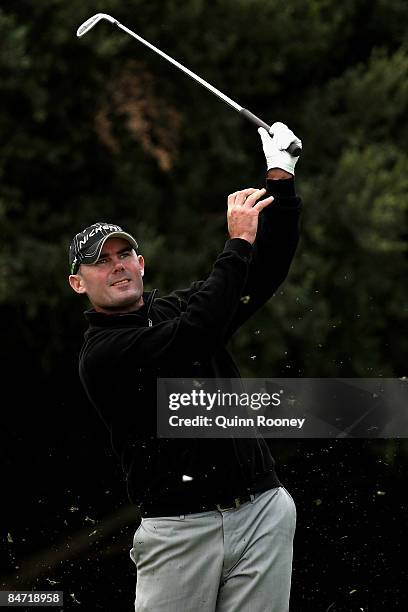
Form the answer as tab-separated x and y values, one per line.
275	144
243	212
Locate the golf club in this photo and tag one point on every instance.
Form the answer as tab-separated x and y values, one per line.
294	148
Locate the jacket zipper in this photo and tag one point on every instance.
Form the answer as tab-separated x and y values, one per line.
149	321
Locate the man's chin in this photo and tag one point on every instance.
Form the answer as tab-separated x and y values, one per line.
124	303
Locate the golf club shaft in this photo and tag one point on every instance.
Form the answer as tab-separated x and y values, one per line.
293	149
194	76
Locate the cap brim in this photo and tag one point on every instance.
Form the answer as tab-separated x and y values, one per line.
91	258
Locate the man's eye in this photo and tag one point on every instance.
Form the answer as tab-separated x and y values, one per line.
125	254
101	260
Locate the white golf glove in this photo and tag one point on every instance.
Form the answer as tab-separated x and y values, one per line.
275	144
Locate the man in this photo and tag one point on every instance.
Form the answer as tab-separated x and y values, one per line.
217	525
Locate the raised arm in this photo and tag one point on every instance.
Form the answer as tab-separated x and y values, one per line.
278	229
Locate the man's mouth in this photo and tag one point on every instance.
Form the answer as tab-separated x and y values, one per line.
122	282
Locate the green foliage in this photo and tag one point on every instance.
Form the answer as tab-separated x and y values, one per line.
100	128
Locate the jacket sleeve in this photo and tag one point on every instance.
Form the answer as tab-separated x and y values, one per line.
195	333
273	250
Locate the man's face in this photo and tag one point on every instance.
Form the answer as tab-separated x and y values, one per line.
115	282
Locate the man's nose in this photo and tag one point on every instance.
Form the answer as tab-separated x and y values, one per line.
118	265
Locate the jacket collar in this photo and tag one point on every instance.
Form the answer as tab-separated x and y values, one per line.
99	319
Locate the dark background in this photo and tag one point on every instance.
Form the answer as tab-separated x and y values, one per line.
99	128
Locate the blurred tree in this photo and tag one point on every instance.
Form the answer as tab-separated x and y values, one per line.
101	128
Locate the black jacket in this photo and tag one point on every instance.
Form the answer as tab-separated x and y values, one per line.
184	335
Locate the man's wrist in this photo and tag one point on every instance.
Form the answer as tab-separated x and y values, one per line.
278	174
247	237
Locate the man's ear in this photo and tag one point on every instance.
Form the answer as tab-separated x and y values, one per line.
141	264
77	283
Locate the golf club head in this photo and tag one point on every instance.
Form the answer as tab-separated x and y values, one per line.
89	23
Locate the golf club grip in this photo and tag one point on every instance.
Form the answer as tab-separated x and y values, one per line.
292	149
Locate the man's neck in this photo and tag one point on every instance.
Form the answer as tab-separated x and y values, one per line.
121	309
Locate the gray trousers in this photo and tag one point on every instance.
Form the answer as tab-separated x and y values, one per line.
239	560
